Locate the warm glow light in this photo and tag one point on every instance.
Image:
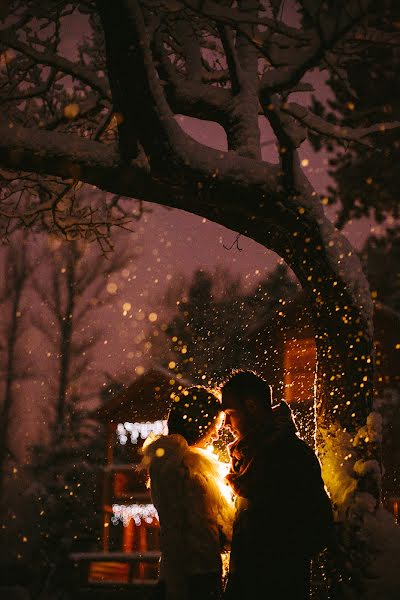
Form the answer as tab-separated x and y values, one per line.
223	470
396	511
71	110
299	369
112	288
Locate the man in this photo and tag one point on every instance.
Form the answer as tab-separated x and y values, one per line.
284	514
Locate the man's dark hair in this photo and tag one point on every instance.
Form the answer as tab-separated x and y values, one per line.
193	413
243	384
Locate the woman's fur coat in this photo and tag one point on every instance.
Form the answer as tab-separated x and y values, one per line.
195	509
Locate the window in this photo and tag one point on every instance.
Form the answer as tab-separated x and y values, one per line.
127	484
299	369
396	506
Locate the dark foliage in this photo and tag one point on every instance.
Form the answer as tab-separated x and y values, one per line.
208	336
365	174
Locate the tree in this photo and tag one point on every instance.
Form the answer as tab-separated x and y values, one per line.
366	87
274	290
73	285
16	272
66	499
235	65
199	334
207	336
382	258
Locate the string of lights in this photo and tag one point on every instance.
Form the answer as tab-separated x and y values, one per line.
138	512
134	431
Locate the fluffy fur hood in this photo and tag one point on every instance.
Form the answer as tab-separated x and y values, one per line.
163	450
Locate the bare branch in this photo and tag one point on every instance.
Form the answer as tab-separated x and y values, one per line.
191	49
299	61
376	36
189	96
234	67
33	92
235	17
60	63
45	327
338	132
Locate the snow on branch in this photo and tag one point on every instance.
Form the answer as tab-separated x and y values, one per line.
192	96
319	125
22	145
73	157
52	204
162	137
235	17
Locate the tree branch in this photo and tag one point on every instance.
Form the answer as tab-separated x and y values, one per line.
39	90
339	132
191	49
235	17
299	62
213	178
189	96
62	64
235	71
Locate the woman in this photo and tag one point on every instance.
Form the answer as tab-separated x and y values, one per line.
194	503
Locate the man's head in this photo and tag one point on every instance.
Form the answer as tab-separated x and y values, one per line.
246	401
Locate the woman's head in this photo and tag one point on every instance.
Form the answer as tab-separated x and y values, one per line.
194	414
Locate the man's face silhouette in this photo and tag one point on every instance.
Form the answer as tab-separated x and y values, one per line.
238	415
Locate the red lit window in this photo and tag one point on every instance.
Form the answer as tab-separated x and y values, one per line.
299	365
115	572
121	485
396	505
126	484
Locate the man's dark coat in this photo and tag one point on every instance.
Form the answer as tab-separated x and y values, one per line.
284	514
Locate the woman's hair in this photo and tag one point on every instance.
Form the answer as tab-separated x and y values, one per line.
193	413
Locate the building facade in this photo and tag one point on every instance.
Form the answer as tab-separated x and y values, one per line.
130	530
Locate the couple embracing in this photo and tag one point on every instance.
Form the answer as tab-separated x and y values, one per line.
271	509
